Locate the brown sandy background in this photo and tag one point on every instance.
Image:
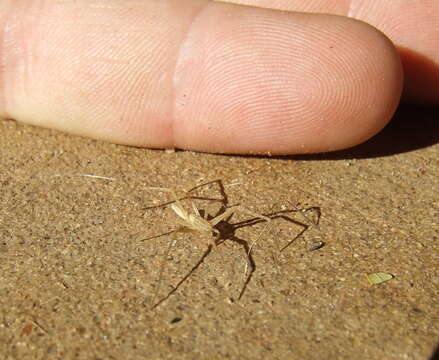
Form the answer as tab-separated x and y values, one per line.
77	281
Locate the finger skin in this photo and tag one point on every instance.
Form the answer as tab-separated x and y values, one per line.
283	82
93	68
196	75
413	26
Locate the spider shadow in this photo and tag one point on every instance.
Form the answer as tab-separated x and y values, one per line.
226	230
282	214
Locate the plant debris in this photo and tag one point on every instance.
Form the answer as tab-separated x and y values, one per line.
379	277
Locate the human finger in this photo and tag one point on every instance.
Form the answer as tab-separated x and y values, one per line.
196	75
413	26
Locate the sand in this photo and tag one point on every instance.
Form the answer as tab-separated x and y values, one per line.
79	280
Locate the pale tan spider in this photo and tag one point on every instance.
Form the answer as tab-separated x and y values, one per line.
194	221
217	226
220	229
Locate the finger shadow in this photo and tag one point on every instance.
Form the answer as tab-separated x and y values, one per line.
411	128
421	74
435	355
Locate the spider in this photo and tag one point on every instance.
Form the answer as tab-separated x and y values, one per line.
220	229
217	226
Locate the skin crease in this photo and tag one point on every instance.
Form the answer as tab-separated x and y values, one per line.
214	76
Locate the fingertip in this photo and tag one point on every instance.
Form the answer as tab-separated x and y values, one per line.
370	86
266	81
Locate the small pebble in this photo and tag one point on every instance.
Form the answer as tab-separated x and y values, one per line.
176	320
316	246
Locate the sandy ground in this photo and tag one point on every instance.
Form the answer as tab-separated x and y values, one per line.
82	275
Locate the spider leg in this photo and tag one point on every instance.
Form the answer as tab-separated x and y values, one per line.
249	250
222	216
195	209
242	209
187	194
157	236
223	200
250	262
234	209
